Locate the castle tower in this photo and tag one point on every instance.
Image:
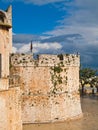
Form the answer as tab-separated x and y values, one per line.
5	41
10	103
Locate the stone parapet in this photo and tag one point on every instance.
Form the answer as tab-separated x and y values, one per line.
45	60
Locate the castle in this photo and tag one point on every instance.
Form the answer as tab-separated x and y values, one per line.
39	90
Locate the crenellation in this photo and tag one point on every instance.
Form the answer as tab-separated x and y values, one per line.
44	60
21	59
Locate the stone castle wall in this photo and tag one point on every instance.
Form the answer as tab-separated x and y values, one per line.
49	86
10	109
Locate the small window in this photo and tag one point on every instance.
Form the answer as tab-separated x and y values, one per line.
1	19
60	56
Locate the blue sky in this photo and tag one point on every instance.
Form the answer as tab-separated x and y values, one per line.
34	18
56	26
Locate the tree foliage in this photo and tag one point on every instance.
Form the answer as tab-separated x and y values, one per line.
88	76
87	73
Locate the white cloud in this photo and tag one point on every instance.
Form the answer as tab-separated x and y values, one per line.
25	48
42	2
14	49
37	47
90	34
46	46
86	14
82	20
36	2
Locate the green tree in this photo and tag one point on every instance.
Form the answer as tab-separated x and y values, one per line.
87	75
94	82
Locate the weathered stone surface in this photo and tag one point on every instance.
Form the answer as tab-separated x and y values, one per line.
49	87
10	102
4	84
10	110
5	41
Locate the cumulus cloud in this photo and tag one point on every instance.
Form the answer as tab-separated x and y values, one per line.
85	14
14	49
82	20
90	34
37	47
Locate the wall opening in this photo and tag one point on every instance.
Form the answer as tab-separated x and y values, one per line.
61	56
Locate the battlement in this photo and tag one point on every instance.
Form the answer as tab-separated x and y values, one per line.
45	60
